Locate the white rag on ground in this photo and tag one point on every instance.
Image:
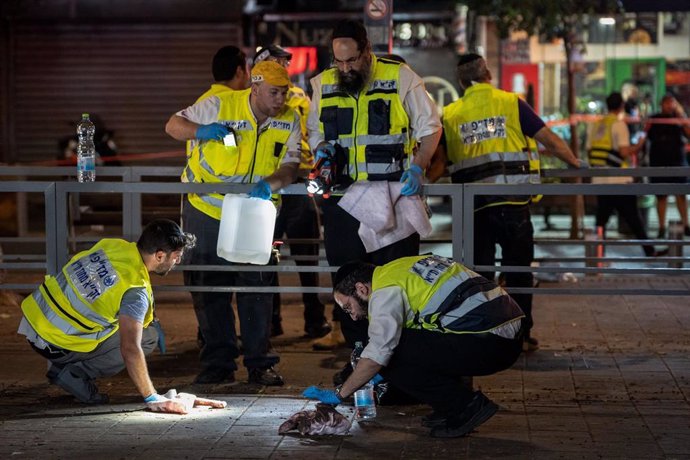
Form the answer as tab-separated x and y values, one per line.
385	215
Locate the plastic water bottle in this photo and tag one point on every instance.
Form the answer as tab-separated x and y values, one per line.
356	352
86	150
365	407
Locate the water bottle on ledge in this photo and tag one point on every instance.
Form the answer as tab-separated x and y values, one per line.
86	150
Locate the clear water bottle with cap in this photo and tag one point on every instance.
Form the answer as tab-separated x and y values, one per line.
365	406
86	150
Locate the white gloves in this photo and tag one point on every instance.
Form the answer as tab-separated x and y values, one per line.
173	402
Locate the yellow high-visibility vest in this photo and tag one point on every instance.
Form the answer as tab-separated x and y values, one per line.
485	142
373	127
254	157
78	309
445	296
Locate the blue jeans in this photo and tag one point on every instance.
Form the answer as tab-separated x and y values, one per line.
214	309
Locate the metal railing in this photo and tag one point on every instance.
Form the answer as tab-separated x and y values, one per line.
131	188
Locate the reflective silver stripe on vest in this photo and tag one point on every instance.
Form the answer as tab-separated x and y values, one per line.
330	89
470	304
63	325
80	307
188	174
382	139
211	200
236	179
496	157
443	292
345	142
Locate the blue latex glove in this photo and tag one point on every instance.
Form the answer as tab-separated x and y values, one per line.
412	178
212	132
325	396
375	380
325	151
262	190
161	335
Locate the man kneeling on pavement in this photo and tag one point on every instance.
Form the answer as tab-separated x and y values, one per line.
95	317
432	322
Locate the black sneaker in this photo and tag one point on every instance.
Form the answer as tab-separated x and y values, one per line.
479	410
268	377
76	382
213	375
686	230
662	234
317	330
434	419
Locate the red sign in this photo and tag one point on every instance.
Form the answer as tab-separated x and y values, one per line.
523	80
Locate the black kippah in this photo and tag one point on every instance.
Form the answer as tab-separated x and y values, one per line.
467	58
345	270
349	28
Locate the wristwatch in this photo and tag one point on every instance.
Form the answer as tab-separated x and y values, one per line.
337	391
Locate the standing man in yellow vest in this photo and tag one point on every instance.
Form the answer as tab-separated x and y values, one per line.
379	114
94	318
431	323
297	217
486	137
245	137
230	72
608	145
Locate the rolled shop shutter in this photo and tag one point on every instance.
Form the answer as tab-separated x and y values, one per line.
132	76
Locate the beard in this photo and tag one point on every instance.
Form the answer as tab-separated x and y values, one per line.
353	82
363	305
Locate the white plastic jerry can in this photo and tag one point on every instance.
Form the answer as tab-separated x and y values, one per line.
246	229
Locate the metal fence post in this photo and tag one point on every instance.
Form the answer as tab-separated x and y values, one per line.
675	232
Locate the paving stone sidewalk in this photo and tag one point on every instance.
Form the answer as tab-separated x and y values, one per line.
611	380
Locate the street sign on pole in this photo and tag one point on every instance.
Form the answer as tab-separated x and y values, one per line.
378	19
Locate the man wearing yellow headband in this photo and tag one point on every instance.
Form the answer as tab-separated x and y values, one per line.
243	137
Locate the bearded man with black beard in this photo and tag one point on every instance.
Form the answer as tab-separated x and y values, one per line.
377	113
352	81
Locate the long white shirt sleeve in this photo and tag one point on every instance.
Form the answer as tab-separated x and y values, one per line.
388	311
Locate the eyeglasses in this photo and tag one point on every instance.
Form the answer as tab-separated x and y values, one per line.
349	62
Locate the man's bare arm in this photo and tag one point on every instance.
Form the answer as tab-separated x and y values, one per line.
180	128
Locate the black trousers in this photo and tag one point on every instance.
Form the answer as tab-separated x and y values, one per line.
214	310
297	219
510	227
429	366
343	245
626	207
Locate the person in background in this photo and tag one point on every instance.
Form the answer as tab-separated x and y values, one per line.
667	148
487	140
230	73
298	217
244	137
96	316
378	114
608	145
432	322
